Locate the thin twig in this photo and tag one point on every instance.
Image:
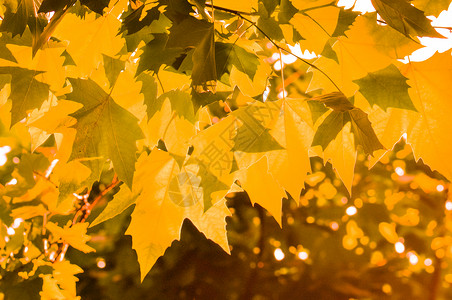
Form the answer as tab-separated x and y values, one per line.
282	48
232	11
282	75
83	213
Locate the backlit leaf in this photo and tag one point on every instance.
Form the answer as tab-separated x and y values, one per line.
432	7
74	235
386	88
405	18
26	92
344	112
104	130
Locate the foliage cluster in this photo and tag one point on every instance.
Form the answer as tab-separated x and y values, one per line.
172	105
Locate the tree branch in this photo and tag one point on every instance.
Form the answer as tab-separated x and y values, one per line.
82	214
280	47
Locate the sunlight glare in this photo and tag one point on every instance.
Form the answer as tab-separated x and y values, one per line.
351	211
303	255
448	205
3	151
279	254
399	171
399	247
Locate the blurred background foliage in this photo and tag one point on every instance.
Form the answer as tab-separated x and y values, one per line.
389	240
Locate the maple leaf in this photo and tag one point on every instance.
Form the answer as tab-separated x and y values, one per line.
168	196
345	19
121	201
133	22
228	55
201	37
386	88
252	133
316	26
367	47
344	112
405	18
5	53
432	7
60	284
19	14
155	54
430	92
95	36
104	130
295	134
26	92
113	67
270	198
74	235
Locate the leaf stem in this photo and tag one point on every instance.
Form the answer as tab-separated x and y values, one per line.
173	116
160	82
282	75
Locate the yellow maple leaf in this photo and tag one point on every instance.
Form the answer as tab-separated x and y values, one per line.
316	26
93	37
74	235
430	92
61	283
168	196
262	188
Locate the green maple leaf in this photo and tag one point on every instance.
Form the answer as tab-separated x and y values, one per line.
26	92
113	67
252	134
155	54
104	130
188	33
344	21
120	202
228	54
53	5
344	112
149	90
132	21
5	53
402	16
271	27
18	14
180	102
386	88
286	11
201	36
96	5
210	184
176	10
204	73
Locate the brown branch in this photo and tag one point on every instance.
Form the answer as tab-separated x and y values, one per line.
82	214
45	178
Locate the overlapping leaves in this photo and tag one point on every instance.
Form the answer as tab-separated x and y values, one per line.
195	143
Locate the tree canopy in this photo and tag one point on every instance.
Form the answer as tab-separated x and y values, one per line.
163	110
